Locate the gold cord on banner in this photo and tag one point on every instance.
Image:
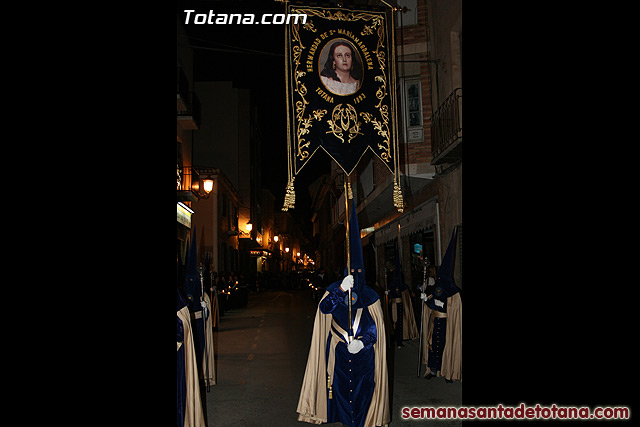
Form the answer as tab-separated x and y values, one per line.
290	195
398	201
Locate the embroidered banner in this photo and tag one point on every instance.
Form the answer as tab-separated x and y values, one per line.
341	93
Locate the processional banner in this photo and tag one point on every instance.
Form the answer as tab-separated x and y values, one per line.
341	92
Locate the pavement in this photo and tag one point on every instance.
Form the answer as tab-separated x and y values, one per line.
261	354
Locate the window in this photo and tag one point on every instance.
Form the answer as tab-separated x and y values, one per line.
413	110
410	15
413	101
224	204
367	180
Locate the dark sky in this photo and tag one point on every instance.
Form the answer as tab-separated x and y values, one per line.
252	56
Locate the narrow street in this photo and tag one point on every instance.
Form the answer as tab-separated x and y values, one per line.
261	354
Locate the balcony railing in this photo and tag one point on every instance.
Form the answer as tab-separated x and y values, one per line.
189	185
446	130
189	118
183	90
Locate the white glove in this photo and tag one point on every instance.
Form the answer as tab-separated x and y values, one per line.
347	283
423	296
386	292
355	346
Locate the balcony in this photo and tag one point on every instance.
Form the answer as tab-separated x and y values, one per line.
189	117
189	185
183	90
446	130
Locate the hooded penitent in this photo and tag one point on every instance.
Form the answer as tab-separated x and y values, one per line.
193	291
189	405
401	307
442	322
338	385
203	330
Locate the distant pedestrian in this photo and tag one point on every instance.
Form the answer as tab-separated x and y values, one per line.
402	319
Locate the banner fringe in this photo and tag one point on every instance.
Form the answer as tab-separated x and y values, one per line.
398	201
289	197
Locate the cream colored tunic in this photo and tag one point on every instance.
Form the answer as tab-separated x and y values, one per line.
193	414
209	358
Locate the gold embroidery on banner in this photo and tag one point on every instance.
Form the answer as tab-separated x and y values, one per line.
341	120
306	124
309	26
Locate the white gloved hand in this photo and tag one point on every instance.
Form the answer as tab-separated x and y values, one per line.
355	346
386	292
347	283
423	296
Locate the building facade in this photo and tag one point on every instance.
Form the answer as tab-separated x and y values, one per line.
429	64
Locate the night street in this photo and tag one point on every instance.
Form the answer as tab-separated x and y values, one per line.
318	138
261	354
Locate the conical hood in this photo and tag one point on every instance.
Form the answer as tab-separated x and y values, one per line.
444	276
191	277
363	295
398	278
357	262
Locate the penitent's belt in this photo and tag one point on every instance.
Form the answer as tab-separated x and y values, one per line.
394	308
343	337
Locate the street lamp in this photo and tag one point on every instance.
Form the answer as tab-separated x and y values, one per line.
249	226
202	183
207	183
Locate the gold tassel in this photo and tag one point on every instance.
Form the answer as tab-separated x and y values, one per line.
289	197
329	387
397	197
349	191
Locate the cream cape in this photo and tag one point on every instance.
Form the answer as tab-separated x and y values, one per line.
193	415
209	358
409	329
451	367
215	309
312	405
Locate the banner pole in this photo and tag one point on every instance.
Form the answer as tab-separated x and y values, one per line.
346	222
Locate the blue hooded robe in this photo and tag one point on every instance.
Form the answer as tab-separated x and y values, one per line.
443	324
193	291
338	385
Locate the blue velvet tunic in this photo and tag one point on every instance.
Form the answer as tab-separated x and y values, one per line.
353	378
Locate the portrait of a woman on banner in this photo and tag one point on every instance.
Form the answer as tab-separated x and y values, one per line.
341	72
